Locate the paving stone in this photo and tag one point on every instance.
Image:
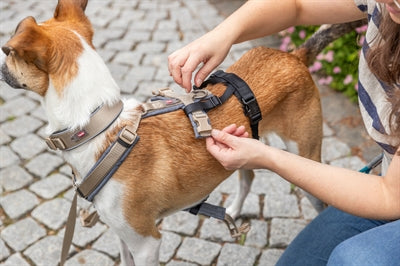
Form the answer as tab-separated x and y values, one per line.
22	234
89	257
39	113
258	234
234	254
7	157
270	257
52	213
268	183
4	251
4	138
327	131
180	263
283	231
333	149
14	177
21	126
216	230
51	186
198	251
108	243
169	243
181	222
146	73
46	251
307	209
229	185
19	106
18	203
15	260
28	146
44	164
85	235
280	206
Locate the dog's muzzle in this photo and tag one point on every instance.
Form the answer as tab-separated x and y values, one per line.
6	75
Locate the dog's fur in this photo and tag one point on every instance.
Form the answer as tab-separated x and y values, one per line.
168	169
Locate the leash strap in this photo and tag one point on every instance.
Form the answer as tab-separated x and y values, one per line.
237	86
69	230
372	164
100	120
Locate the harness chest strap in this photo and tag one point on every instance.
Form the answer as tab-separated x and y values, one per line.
96	179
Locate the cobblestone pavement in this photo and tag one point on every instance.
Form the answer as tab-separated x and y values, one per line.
135	37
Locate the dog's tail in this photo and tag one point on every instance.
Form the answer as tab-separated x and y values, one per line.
326	34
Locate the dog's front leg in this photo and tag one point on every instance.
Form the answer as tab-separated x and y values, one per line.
244	184
146	252
125	254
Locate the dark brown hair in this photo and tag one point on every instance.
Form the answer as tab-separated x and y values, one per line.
384	62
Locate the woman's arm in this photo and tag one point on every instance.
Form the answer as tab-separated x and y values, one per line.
361	194
256	18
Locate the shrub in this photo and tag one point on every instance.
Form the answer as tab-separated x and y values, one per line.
337	64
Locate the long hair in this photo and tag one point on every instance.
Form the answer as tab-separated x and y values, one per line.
384	62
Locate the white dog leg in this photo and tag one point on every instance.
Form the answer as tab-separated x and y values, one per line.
146	253
125	254
245	180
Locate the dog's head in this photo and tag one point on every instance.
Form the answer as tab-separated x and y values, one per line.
42	53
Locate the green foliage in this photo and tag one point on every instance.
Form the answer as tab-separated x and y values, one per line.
337	65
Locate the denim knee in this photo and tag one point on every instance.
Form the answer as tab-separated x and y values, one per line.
343	254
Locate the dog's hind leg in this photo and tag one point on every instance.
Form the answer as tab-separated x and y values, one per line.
244	184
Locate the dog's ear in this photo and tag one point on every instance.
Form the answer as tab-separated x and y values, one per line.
29	43
67	8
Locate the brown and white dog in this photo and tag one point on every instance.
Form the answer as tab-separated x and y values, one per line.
168	169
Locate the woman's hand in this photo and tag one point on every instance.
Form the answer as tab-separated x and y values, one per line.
234	150
209	50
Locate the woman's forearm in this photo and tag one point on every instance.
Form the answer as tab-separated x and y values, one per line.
351	191
258	18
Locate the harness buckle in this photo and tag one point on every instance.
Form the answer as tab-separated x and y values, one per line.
127	136
55	143
203	123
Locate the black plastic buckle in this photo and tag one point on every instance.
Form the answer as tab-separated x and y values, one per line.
252	110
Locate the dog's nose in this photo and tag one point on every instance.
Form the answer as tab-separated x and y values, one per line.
6	50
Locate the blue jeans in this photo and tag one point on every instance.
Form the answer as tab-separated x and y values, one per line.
344	239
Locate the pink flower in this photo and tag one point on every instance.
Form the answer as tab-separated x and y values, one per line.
362	29
290	30
302	34
320	57
337	70
315	67
329	56
356	86
325	81
347	80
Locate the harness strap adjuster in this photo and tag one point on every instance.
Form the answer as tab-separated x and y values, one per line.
127	136
55	143
252	110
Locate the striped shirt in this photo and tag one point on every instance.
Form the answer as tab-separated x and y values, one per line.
373	93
